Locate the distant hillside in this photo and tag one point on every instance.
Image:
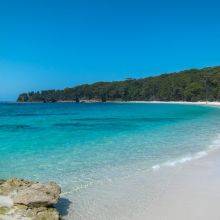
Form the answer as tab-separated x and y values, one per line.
188	85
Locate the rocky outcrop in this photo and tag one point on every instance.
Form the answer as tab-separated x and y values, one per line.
27	200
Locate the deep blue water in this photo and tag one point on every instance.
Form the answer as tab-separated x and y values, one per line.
82	144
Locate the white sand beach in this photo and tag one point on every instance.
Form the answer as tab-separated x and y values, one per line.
193	192
176	102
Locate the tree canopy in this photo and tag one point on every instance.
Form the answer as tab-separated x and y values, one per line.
189	85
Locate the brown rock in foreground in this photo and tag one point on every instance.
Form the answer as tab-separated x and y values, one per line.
22	199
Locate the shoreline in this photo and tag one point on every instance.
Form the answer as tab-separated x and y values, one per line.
184	191
214	103
172	102
185	188
188	190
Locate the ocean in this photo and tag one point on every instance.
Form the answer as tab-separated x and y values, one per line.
104	155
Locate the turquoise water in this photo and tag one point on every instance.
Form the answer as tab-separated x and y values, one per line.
86	145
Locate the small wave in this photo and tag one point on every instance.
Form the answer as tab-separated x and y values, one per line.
180	161
214	146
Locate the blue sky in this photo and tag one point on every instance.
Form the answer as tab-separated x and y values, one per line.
55	44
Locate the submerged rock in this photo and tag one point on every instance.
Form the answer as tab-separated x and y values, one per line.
22	199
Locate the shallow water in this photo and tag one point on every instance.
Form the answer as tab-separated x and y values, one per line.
100	152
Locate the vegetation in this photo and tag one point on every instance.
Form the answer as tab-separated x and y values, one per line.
188	85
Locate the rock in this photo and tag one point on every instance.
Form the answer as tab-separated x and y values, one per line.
9	186
28	200
1	181
31	193
37	194
4	210
22	212
6	201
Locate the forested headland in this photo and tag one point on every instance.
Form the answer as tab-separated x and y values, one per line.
188	85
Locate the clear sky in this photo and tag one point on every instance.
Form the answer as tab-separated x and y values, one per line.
48	44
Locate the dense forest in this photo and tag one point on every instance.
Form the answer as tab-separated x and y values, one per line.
188	85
